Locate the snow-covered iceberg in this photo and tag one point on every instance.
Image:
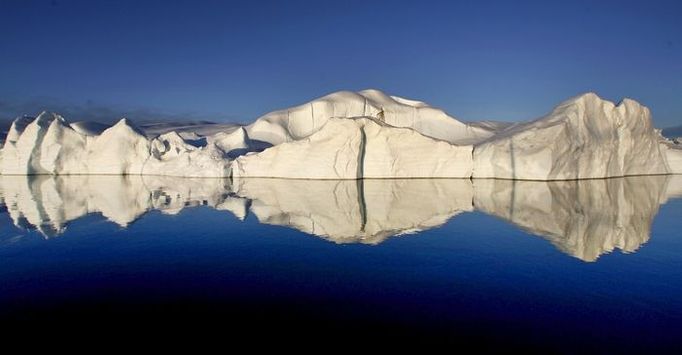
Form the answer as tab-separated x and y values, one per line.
347	135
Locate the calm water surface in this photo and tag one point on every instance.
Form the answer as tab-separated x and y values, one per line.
567	266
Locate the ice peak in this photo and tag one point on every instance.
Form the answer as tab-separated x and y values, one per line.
18	126
585	99
126	124
45	118
59	121
592	98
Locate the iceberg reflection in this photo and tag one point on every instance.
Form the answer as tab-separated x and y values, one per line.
584	219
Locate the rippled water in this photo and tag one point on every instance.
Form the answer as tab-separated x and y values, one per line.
564	265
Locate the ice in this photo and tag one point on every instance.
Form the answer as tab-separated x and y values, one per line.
302	121
21	153
50	145
584	137
349	135
120	150
363	147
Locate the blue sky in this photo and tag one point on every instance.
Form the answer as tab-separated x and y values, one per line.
222	60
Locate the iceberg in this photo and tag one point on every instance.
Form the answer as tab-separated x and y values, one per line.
349	135
584	137
49	145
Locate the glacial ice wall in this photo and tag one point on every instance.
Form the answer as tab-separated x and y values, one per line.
359	148
349	135
584	137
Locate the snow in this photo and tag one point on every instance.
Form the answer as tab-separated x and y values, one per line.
353	135
302	121
584	137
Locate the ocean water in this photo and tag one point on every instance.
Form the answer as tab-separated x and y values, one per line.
494	264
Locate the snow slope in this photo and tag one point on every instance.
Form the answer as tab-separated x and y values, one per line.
584	137
302	121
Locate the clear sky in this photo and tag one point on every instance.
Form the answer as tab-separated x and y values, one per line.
221	60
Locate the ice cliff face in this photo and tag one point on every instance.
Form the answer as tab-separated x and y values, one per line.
349	135
584	137
355	148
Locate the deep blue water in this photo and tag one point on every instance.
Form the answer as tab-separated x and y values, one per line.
477	278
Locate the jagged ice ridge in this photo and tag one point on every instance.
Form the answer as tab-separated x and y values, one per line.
348	135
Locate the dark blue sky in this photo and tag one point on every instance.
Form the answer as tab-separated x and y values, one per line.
503	60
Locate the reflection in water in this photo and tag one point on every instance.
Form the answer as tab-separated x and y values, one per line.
582	218
347	211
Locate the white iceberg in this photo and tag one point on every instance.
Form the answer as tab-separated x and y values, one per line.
349	135
584	137
49	145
